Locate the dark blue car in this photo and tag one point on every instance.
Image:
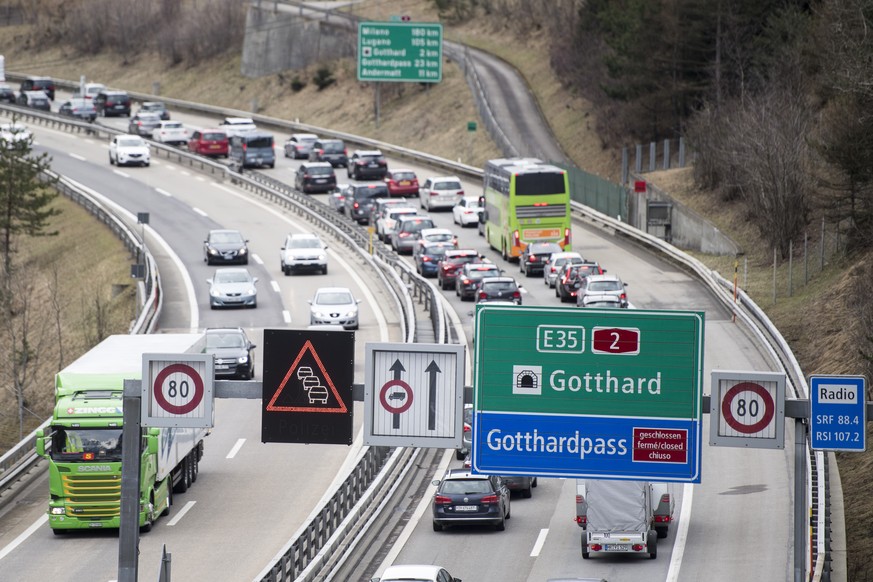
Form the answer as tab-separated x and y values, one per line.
427	256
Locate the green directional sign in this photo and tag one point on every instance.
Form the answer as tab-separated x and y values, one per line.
400	51
607	394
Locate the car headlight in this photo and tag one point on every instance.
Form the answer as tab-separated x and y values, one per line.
352	313
211	251
243	251
214	293
318	314
321	257
252	291
242	359
58	511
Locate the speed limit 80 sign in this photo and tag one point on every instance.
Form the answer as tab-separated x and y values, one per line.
747	409
177	390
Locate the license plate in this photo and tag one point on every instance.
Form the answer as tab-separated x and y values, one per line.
321	181
95	524
466	508
617	548
372	165
404	182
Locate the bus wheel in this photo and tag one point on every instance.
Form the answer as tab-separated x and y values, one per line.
503	252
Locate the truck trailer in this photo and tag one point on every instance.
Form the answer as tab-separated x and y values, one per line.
83	442
623	516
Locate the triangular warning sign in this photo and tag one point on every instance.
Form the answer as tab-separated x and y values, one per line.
308	381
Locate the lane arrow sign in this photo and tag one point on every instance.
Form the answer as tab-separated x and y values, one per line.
432	369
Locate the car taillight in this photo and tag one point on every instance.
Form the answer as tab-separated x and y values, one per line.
516	295
533	259
345	151
442	500
623	297
357	205
490	499
306	176
581	519
638	547
662	518
595	547
460	193
554	269
404	234
466	281
382	162
467	428
425	259
482	295
434	193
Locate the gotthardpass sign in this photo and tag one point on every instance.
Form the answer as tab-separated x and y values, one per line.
608	394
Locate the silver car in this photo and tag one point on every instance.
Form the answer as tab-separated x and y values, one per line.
555	262
334	306
599	285
232	287
303	251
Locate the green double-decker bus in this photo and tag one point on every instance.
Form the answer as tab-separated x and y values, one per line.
526	200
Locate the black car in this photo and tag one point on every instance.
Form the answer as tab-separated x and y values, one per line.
570	279
232	351
315	177
79	109
7	93
367	165
467	281
534	256
464	498
225	246
499	289
112	103
427	257
330	150
359	199
44	84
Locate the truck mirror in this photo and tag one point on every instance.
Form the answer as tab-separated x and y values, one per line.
40	442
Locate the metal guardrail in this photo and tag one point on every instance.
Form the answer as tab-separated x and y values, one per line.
746	309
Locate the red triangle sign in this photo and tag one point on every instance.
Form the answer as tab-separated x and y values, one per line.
309	383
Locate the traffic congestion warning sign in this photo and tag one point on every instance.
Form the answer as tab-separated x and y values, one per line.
307	387
414	395
177	390
747	409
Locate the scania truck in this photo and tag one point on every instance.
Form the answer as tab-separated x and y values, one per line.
83	442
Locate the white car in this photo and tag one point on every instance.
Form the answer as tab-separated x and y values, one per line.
427	235
129	150
14	132
303	251
390	214
554	264
170	133
422	573
334	306
466	212
237	126
440	192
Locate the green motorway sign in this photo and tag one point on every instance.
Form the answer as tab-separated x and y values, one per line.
613	362
400	51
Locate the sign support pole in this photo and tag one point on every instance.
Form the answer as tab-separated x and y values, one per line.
801	520
131	441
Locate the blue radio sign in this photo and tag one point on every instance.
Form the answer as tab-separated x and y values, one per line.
838	413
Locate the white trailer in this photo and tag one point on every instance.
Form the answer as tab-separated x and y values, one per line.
620	518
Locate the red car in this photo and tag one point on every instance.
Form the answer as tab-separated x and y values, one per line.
401	183
451	264
208	142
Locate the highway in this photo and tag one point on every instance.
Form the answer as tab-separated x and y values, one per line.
735	525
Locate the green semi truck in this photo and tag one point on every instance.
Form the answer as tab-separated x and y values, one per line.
83	442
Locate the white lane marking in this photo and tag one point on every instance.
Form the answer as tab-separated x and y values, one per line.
371	299
184	173
78	157
257	259
681	534
122	174
24	535
538	545
164	192
194	313
200	178
178	517
286	315
235	449
275	286
198	211
171	167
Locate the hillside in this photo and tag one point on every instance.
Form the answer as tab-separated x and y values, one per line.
821	319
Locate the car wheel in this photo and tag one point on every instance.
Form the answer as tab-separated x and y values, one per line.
502	525
147	164
324	270
526	493
459	454
111	161
436	527
534	483
652	545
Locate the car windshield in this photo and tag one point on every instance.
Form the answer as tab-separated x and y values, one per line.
368	192
447	186
334	298
225	340
480	273
405	212
260	142
461	260
304	243
305	140
604	286
439	236
499	286
173	125
466	486
436	251
332	148
214	136
319	171
232	277
131	142
153	106
542	248
404	176
371	159
415	225
89	444
226	237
